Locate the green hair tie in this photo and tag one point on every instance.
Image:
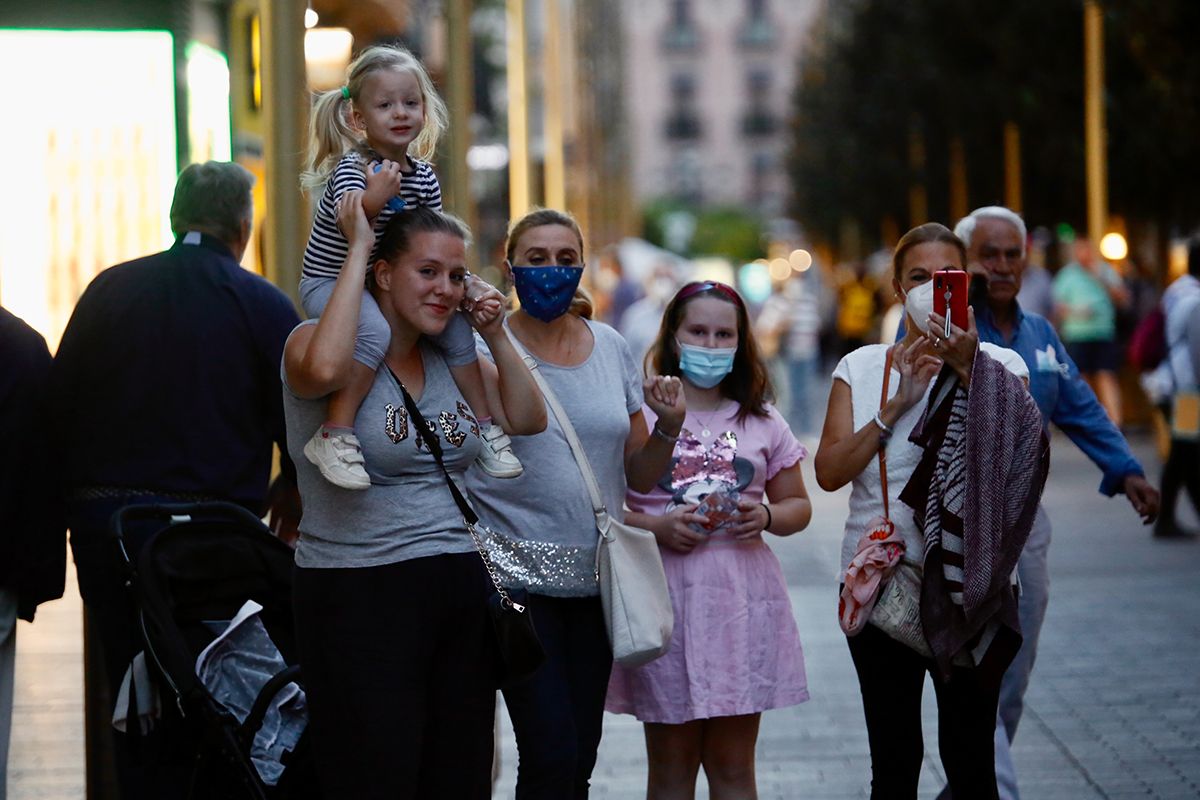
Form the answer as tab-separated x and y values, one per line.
346	92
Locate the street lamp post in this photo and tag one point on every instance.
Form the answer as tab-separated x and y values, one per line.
1093	113
518	112
285	107
461	102
555	103
1012	166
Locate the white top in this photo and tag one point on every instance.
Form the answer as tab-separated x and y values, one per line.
862	371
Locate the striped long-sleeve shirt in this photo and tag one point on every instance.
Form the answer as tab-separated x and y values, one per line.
327	246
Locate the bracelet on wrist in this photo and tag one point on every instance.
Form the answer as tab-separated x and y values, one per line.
767	508
659	433
885	430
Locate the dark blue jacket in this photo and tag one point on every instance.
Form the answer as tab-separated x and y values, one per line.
167	377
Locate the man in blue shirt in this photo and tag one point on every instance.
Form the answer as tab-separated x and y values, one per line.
995	240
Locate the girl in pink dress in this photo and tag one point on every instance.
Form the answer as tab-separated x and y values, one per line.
735	651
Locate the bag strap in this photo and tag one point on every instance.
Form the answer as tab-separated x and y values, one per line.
564	422
883	398
469	516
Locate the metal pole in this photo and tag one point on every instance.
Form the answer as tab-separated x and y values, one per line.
459	99
285	106
1012	166
518	123
1093	114
555	103
918	198
958	178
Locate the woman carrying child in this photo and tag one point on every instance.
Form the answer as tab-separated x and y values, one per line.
364	136
392	624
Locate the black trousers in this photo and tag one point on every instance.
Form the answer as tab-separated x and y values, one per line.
891	677
1181	470
399	668
558	712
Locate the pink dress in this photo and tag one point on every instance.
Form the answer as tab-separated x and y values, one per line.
735	649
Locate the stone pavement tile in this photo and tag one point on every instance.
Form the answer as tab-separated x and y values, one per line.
46	757
46	784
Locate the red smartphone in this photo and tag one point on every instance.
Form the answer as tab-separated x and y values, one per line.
950	293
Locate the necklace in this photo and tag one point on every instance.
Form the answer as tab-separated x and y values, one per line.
707	426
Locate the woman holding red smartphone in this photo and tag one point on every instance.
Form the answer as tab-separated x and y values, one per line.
950	298
880	395
736	650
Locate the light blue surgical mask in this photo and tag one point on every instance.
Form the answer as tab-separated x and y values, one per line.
705	367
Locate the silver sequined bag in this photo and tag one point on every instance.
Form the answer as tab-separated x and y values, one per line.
540	567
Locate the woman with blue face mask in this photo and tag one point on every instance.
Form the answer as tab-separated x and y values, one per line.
735	651
546	514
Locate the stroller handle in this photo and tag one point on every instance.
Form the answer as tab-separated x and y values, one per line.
167	512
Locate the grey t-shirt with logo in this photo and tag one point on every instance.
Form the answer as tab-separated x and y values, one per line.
408	511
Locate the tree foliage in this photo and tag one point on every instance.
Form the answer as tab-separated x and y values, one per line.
725	231
882	75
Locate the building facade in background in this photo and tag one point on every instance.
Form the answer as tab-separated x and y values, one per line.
709	88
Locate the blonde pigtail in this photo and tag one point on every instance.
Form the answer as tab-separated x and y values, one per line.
329	138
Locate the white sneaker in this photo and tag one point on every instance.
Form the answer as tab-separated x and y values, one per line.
339	458
496	458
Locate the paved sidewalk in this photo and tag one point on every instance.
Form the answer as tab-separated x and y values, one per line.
1113	710
45	761
1114	706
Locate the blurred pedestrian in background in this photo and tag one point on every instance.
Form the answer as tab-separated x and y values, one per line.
546	513
1037	282
897	441
1087	294
789	326
33	544
616	288
699	705
996	239
857	306
165	388
1181	306
1144	295
639	324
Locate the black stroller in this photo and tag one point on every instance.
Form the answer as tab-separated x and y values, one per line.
193	576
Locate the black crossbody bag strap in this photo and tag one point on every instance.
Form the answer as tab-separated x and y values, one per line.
435	446
469	516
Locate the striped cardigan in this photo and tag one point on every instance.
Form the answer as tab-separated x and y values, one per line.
974	495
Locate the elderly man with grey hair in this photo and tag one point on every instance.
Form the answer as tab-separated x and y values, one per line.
166	388
995	239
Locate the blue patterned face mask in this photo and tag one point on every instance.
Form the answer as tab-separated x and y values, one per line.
546	292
